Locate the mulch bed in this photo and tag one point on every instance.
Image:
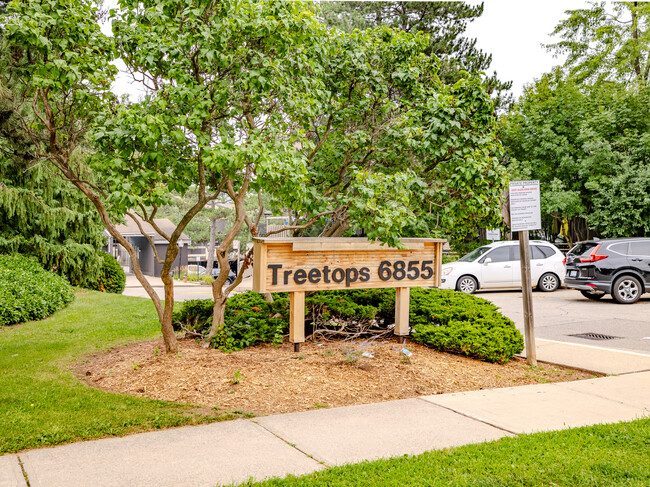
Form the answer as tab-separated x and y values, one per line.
274	379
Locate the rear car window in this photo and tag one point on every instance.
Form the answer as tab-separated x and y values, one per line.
537	253
547	251
582	249
639	248
619	248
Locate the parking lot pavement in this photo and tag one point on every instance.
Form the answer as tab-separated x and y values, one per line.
183	291
563	314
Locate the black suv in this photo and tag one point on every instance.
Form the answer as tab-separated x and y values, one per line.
619	267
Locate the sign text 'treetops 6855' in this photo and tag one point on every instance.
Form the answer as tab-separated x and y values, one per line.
312	264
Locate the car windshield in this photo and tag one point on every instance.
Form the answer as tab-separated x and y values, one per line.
474	254
582	249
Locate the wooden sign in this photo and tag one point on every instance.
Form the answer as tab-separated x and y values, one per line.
297	265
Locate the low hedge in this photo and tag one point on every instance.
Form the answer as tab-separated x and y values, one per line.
111	276
28	291
249	319
444	320
464	324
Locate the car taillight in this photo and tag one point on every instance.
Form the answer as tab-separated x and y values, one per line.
593	257
564	261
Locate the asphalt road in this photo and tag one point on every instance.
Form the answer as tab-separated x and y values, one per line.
562	314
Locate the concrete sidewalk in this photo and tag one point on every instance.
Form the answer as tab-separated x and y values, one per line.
304	442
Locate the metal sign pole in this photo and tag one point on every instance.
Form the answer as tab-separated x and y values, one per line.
527	295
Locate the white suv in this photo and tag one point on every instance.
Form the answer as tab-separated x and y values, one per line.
497	266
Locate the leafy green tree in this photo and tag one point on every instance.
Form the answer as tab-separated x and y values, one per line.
583	129
589	147
346	130
337	127
42	215
227	80
60	74
391	127
610	41
444	21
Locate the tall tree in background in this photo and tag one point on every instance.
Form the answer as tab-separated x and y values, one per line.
608	42
444	21
584	130
589	147
40	214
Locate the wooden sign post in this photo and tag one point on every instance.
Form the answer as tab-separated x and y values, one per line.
525	215
297	265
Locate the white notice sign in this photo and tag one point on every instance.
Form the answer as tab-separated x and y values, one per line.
525	212
494	234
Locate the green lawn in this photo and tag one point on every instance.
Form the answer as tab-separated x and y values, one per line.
605	455
42	403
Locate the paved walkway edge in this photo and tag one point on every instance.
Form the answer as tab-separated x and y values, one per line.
591	358
11	473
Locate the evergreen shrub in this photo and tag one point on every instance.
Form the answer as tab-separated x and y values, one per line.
29	292
444	320
249	319
465	324
111	276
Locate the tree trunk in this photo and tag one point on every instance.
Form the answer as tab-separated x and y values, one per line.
578	229
336	230
636	63
164	313
213	234
171	343
219	310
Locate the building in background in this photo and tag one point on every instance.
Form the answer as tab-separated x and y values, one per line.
146	256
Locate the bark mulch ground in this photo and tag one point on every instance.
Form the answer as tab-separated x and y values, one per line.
274	379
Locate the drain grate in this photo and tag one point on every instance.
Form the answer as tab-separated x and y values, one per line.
594	336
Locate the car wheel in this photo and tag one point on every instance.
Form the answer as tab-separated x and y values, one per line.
549	282
592	296
467	285
626	290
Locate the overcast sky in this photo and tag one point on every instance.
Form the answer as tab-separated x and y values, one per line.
513	31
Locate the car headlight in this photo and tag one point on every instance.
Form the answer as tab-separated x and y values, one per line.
446	271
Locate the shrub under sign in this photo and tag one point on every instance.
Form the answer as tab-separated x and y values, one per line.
297	265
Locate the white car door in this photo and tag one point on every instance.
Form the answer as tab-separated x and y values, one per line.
538	262
496	268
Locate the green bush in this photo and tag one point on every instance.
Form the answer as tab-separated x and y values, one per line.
445	320
29	292
194	315
465	324
248	320
111	276
359	304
